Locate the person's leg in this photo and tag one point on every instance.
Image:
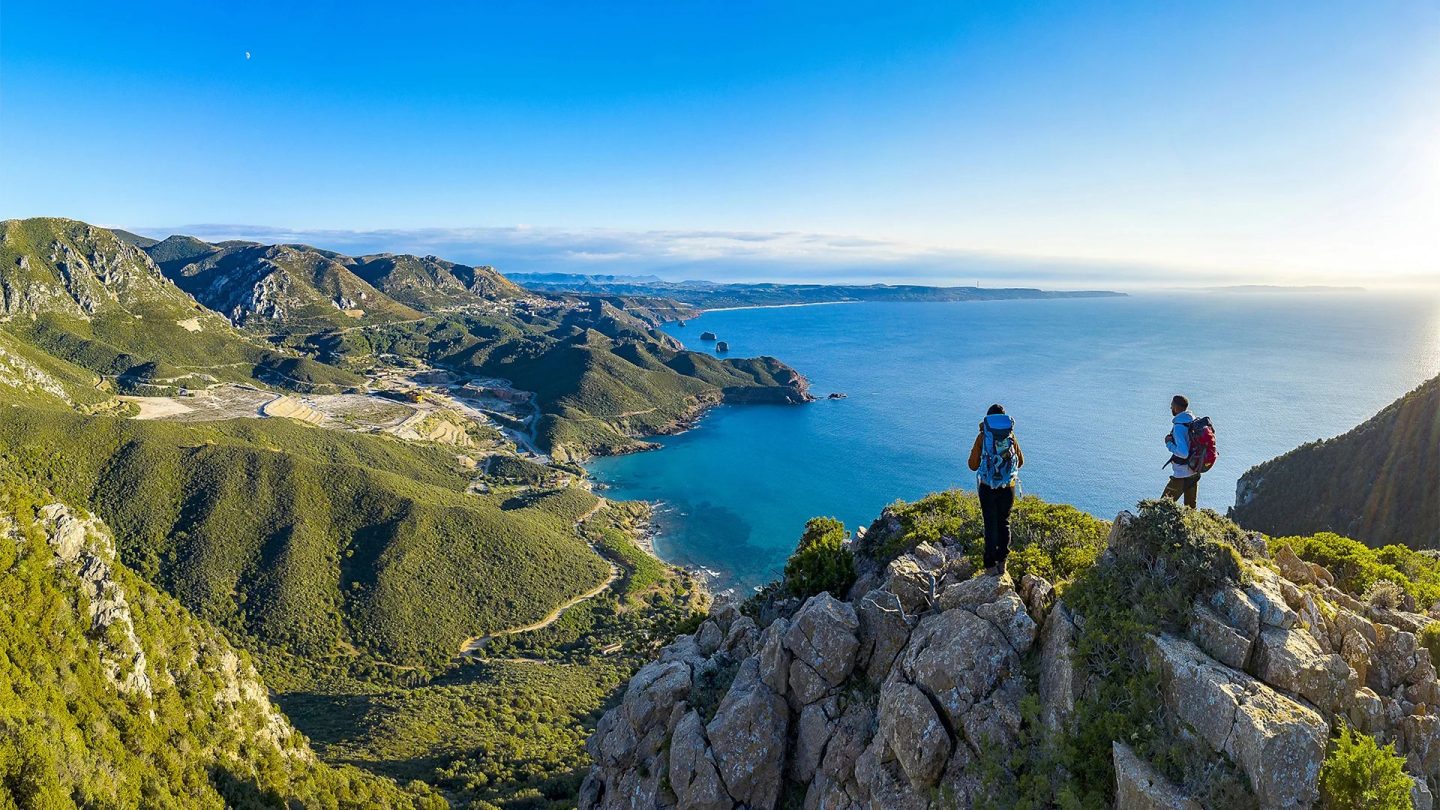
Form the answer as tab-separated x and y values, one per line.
988	511
1005	501
1192	490
1173	488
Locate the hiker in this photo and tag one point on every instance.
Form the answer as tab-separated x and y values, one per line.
1183	479
996	459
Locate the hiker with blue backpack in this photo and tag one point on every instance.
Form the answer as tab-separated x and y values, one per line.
1191	443
996	459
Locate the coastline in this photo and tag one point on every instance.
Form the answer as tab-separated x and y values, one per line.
779	306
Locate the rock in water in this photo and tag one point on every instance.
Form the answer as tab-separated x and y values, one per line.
707	336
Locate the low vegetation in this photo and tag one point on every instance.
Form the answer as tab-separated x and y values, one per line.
1359	568
1055	541
822	561
1359	772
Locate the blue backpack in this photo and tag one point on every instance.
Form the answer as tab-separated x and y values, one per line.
999	463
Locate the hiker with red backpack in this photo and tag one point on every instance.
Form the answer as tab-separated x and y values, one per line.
1191	443
996	460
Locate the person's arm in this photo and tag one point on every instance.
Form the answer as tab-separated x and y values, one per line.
1019	454
1179	442
975	454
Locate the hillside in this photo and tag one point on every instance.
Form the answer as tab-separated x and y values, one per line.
278	287
113	695
1167	660
1379	483
430	283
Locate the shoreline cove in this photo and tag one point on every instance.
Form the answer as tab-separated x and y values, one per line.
918	375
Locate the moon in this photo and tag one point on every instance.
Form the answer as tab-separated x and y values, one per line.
247	56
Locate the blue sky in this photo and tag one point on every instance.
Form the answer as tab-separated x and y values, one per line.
1279	141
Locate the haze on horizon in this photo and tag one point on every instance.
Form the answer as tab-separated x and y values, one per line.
1056	144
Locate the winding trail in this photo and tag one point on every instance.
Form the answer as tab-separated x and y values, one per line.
477	643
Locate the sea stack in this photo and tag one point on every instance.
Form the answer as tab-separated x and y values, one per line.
722	346
707	335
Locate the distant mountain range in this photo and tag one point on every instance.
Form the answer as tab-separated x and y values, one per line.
1379	483
712	295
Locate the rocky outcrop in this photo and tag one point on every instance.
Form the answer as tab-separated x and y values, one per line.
901	694
887	699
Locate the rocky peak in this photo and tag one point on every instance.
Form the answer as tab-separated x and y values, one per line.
898	695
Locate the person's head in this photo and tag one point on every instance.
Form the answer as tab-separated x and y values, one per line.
1179	404
994	409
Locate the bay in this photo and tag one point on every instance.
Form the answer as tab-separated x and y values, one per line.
1088	381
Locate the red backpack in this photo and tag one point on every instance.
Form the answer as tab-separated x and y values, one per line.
1203	453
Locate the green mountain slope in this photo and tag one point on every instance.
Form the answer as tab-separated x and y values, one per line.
344	550
1379	483
86	297
113	695
282	288
430	283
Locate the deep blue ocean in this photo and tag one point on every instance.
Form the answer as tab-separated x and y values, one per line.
1088	380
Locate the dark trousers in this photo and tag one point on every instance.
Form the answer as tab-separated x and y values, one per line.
995	505
1183	486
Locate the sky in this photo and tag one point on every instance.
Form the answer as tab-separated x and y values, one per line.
1063	143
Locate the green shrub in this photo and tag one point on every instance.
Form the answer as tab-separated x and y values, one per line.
1429	636
1357	567
1054	541
1384	594
1358	772
1169	556
821	561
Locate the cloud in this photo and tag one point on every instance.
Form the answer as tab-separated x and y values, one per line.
721	255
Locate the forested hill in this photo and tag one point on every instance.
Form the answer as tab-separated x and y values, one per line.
113	695
1379	483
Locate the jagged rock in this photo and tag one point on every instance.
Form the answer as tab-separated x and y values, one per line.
823	641
883	633
1397	660
1038	595
917	736
1321	574
693	774
1277	742
741	639
654	691
1139	787
912	585
1420	796
1267	591
709	637
1060	680
1291	660
1418	739
748	738
1292	567
974	592
774	659
1238	610
812	732
1218	639
961	660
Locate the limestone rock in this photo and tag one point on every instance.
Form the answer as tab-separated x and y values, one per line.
823	641
1292	661
1278	743
1217	638
1139	787
693	774
1060	679
917	736
748	738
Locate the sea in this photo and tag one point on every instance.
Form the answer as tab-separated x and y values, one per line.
1088	381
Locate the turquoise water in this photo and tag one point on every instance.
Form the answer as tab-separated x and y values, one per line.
1088	380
